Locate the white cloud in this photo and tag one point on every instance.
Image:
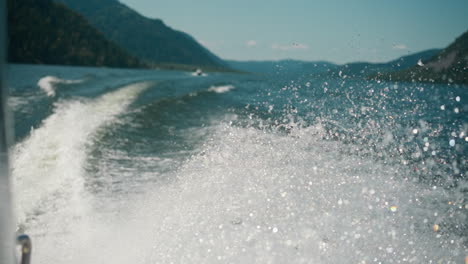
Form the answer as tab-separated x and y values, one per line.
293	46
400	46
251	43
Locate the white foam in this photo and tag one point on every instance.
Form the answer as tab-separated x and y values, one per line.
18	102
221	89
48	84
256	197
48	166
22	103
199	72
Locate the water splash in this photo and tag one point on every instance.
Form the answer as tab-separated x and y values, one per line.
221	89
49	84
256	197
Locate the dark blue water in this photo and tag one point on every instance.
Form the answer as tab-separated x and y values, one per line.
238	168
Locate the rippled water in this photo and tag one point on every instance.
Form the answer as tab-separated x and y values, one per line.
127	166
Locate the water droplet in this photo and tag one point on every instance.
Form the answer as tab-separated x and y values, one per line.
452	142
457	98
415	131
442	107
275	230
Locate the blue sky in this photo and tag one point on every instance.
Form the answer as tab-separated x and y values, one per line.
333	30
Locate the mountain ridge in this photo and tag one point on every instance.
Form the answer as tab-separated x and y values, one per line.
362	69
353	69
146	38
449	66
44	32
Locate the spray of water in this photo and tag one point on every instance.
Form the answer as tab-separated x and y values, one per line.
253	196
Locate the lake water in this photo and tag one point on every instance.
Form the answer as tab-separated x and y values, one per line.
146	166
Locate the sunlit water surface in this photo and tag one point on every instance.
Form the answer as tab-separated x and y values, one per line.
126	166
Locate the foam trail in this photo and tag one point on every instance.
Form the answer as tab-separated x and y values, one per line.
48	84
48	166
221	89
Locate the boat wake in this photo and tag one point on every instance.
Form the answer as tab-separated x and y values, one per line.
233	170
48	166
49	84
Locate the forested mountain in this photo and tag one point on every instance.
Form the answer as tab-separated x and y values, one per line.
44	32
149	39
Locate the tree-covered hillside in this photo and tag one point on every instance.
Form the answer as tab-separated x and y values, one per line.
44	32
149	39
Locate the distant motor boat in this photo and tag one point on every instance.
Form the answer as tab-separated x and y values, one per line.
198	72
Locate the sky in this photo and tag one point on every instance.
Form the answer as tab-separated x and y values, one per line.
338	31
